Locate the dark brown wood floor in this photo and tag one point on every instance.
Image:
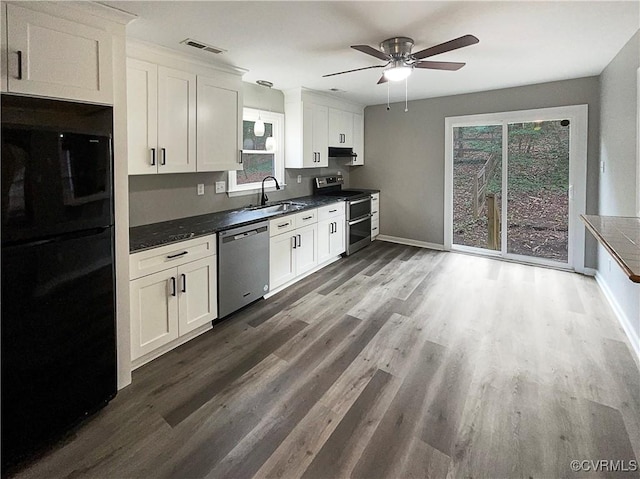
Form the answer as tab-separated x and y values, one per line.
396	362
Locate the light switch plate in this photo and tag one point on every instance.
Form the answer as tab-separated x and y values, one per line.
200	189
220	186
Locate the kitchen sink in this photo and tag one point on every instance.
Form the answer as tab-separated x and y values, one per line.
277	208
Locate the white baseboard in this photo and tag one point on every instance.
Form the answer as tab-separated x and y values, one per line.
625	322
410	242
589	271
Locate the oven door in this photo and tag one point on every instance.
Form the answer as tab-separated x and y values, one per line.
358	234
358	208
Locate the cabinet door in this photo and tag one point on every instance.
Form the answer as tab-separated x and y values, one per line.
320	128
154	311
219	116
307	249
176	121
309	154
197	289
335	127
53	57
347	129
358	139
142	117
325	230
337	238
282	265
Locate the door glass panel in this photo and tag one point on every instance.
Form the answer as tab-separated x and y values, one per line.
538	187
477	186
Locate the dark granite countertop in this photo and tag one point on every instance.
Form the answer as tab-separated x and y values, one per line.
621	238
166	232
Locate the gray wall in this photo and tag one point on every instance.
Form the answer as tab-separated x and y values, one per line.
618	131
404	152
155	198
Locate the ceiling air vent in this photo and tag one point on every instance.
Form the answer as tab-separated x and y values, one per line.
202	46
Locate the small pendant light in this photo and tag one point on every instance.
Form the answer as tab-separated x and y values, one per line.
270	145
258	127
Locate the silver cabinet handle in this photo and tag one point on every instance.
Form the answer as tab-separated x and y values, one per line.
153	157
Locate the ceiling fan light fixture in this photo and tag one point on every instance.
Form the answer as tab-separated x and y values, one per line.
397	72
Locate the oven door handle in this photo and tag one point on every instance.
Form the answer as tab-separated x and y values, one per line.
357	202
360	220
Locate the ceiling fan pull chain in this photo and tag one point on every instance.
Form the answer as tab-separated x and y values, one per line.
406	101
388	107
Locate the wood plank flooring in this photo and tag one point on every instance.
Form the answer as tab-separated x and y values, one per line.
396	362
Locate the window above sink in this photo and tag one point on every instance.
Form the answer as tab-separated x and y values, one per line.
262	156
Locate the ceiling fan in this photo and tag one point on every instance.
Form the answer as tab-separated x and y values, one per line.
396	52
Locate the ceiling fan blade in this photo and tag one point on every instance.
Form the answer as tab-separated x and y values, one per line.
453	66
383	79
354	70
371	51
454	44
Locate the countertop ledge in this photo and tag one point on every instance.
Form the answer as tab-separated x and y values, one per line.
173	231
620	236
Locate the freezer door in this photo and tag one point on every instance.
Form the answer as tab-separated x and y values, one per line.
58	337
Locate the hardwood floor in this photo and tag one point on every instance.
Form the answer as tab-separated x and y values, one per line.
396	362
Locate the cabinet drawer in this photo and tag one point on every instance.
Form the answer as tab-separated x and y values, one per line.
331	211
375	203
169	256
282	225
375	227
306	218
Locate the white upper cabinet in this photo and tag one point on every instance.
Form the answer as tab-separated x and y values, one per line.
219	126
306	135
142	117
182	119
161	118
54	57
315	122
340	128
176	121
358	139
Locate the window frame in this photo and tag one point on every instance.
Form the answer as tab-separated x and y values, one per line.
277	120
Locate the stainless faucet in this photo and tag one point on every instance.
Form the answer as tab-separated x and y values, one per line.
264	198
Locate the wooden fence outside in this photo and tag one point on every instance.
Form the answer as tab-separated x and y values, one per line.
480	183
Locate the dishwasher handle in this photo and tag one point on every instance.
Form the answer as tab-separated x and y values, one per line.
245	234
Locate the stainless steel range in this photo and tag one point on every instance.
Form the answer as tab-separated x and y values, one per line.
358	218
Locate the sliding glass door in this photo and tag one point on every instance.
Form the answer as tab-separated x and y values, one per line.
511	184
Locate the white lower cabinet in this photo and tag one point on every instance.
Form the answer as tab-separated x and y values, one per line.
331	240
331	231
294	252
375	215
172	302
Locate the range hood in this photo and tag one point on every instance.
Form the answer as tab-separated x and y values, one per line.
341	152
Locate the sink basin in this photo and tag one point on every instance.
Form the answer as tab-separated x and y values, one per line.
277	208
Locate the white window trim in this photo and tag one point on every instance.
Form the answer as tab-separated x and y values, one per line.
277	119
577	114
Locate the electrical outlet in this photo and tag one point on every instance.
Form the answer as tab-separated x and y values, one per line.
200	189
299	178
221	187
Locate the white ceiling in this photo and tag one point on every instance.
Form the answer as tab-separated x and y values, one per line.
293	44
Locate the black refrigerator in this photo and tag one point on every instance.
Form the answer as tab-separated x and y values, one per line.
58	305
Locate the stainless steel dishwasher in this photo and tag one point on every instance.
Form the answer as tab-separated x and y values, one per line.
243	266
